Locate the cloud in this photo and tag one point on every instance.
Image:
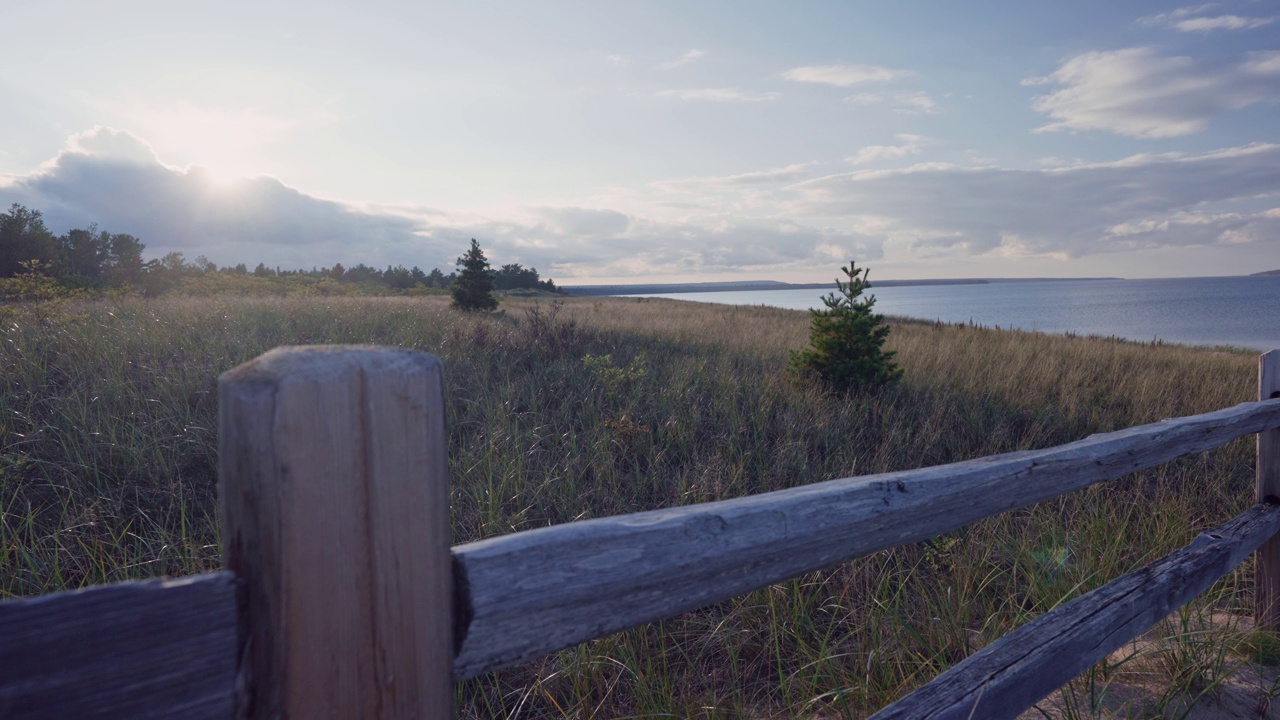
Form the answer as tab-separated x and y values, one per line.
580	222
911	145
730	94
903	103
768	221
1222	22
619	60
113	178
1137	93
977	158
688	57
102	141
1168	18
1144	201
719	244
1054	161
789	173
916	103
1183	20
844	75
228	141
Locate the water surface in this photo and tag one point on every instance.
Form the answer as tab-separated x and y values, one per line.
1236	311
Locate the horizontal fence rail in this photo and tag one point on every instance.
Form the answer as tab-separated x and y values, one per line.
151	649
1013	673
534	592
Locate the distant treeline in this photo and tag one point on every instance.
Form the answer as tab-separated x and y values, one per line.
93	259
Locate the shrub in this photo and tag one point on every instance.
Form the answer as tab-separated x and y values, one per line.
846	339
32	284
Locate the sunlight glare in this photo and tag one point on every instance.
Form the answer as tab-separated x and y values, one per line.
227	145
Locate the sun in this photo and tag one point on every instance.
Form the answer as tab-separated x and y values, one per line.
217	178
222	144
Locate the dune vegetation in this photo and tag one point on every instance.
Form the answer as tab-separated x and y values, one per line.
591	407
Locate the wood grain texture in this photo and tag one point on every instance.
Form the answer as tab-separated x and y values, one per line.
152	649
534	592
1010	675
1267	486
334	489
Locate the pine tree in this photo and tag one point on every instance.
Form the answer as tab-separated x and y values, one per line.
473	287
846	339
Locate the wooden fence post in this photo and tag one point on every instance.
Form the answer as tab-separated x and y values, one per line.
1267	487
334	492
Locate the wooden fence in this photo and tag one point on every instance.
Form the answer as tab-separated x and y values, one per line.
341	597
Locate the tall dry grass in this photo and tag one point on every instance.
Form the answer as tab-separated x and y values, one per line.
607	406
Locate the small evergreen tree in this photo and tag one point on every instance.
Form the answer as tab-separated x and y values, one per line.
473	287
846	339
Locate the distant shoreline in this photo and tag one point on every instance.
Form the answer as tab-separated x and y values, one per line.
752	285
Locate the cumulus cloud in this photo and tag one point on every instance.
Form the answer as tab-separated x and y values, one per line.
1138	93
113	178
910	145
688	57
844	75
1145	201
729	94
101	141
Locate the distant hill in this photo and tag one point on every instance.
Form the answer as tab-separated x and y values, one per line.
1268	272
741	286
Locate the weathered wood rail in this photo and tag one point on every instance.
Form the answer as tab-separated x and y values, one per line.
343	598
1023	666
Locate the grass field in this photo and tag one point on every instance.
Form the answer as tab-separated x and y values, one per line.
607	406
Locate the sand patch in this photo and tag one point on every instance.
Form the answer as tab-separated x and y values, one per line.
1202	668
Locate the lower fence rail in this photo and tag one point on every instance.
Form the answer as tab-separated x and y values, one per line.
1024	666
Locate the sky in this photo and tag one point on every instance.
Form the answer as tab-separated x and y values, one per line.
657	141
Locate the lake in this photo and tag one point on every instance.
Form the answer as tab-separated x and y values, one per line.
1237	311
